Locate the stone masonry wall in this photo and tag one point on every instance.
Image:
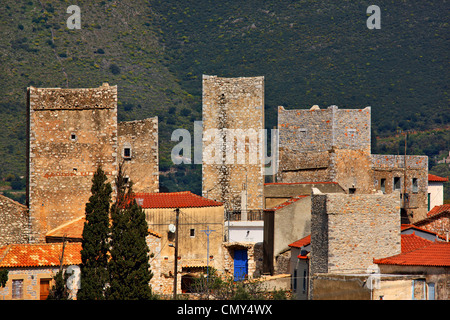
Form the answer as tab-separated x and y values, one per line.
236	104
71	132
349	231
331	145
142	168
388	167
13	222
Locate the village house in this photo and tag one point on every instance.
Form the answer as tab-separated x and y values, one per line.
200	235
431	262
287	217
437	220
435	191
31	268
412	238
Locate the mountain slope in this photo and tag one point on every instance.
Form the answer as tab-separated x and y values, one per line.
156	51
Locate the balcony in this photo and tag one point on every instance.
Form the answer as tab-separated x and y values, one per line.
252	215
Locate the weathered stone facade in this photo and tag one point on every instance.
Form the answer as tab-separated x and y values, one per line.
138	149
13	222
230	105
325	145
254	256
71	133
348	231
389	168
333	145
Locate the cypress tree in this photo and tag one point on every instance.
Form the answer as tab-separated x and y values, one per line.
129	269
95	243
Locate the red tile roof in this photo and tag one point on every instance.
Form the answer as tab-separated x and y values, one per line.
286	203
302	242
438	209
184	199
411	226
436	254
434	178
412	242
39	255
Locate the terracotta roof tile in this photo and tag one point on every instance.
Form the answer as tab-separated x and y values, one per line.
434	178
439	209
301	243
412	242
185	199
436	254
286	203
38	255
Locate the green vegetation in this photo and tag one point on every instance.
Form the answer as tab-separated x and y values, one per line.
310	52
95	243
114	257
213	286
128	266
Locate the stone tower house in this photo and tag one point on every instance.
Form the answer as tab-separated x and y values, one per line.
233	121
70	133
334	145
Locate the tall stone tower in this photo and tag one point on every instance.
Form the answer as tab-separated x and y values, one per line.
71	132
233	123
138	150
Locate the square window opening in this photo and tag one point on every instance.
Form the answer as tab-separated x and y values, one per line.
127	153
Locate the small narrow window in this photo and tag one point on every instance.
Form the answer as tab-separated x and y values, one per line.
351	190
73	137
396	183
415	185
126	152
17	289
192	233
383	185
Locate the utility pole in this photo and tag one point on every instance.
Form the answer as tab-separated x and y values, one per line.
176	255
208	231
404	177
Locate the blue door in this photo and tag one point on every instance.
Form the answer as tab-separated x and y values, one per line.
431	291
240	264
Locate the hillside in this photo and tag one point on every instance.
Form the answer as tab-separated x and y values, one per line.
156	51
